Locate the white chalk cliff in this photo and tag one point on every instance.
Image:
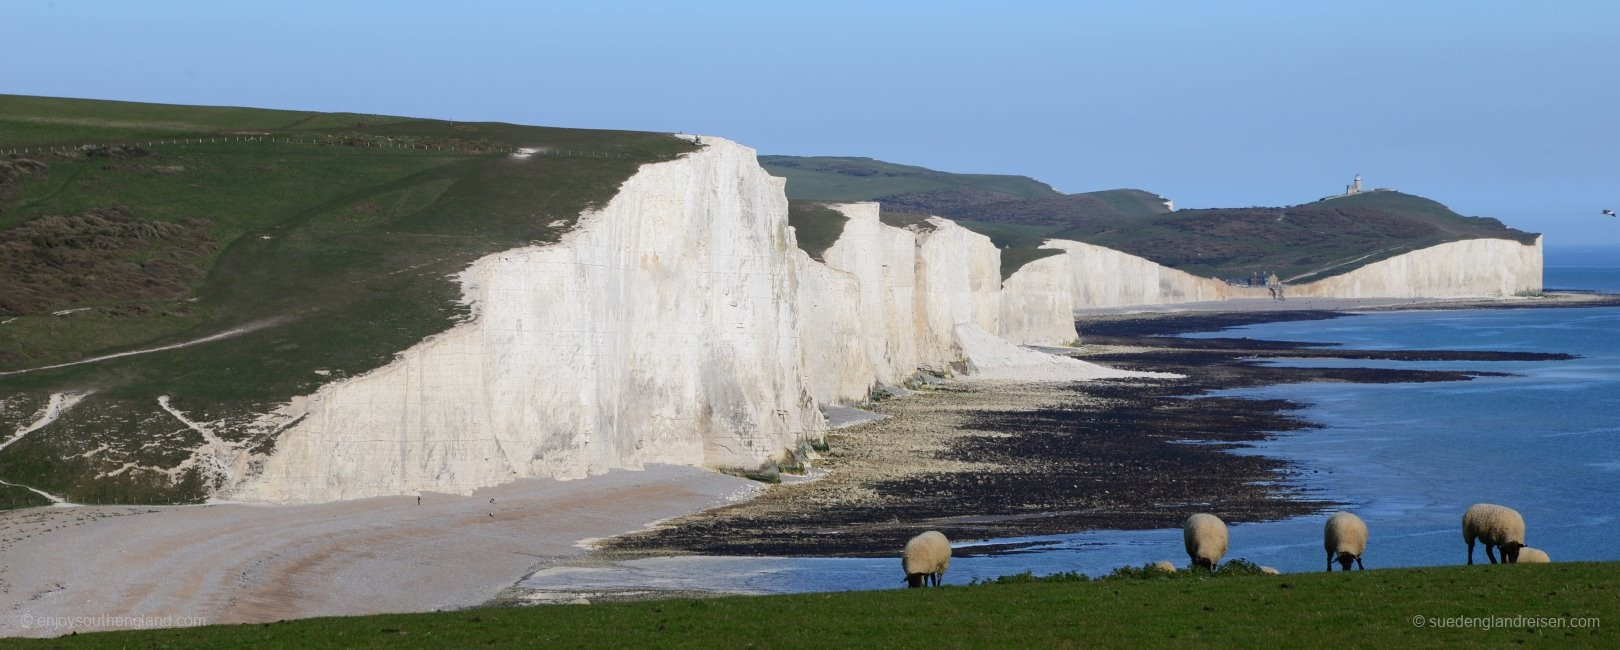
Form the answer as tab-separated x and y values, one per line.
1103	277
678	324
681	323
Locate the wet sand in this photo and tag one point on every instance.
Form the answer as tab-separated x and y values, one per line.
235	563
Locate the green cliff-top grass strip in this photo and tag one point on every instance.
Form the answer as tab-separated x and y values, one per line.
1429	607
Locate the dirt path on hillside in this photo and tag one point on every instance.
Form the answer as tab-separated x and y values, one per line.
236	331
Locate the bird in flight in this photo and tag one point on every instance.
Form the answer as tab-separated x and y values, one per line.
1608	213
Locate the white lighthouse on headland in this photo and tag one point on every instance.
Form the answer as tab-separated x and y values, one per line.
1355	188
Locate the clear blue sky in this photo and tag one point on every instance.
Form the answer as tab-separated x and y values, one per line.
1504	109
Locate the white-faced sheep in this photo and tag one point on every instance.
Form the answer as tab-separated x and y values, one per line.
1345	538
1497	526
1529	555
1165	566
925	559
1205	537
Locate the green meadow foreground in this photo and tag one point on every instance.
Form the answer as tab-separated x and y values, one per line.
1556	604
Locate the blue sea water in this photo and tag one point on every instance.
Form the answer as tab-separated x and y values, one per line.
1584	268
1407	458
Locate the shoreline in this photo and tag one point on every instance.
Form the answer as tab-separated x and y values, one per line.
1033	460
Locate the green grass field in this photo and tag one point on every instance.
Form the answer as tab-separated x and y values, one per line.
1426	607
337	250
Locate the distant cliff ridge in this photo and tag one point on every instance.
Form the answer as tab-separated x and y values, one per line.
1300	243
1461	269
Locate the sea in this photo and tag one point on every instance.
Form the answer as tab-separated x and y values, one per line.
1406	458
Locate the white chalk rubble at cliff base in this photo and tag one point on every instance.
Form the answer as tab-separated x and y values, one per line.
996	359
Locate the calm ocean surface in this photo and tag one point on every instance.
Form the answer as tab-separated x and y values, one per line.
1408	458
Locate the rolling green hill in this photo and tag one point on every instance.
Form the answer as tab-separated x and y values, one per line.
328	240
1300	243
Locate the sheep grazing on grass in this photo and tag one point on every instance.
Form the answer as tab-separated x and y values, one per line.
1205	536
926	557
1345	538
1496	526
1165	566
1529	555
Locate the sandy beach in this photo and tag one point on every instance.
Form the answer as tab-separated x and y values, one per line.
68	569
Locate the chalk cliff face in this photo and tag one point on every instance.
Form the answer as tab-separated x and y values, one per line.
1460	269
890	301
681	323
664	328
678	324
1037	303
1104	277
881	261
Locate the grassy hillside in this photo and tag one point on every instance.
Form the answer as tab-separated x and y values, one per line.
331	238
1390	608
828	178
1299	243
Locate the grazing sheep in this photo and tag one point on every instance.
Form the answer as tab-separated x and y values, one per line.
1165	566
1496	526
1529	555
1270	571
1345	538
1205	537
926	557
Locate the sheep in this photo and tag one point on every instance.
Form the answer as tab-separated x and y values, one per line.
1529	555
1205	537
1270	571
1496	526
926	557
1345	539
1165	566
